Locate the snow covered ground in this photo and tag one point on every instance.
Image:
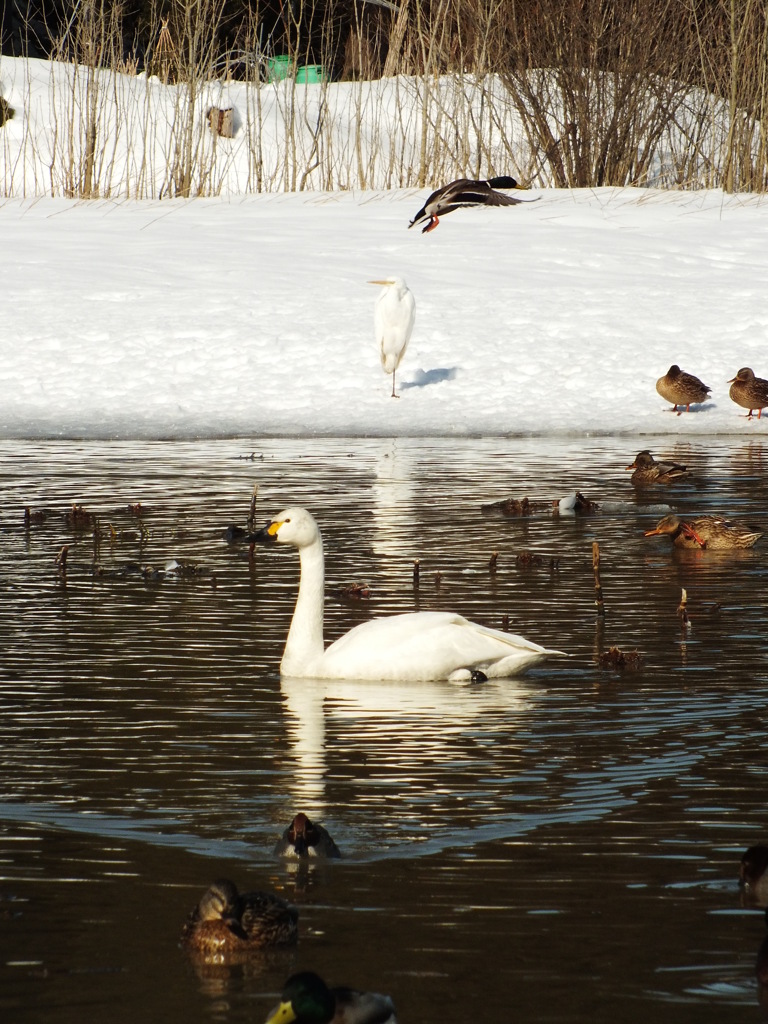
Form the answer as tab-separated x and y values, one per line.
253	316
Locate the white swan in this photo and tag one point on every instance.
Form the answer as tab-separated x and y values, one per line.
417	646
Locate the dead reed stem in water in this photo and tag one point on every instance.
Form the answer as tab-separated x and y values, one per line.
682	608
598	584
252	510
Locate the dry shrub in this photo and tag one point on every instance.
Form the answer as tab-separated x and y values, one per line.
642	92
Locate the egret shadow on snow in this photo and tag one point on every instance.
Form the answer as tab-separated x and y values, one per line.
425	377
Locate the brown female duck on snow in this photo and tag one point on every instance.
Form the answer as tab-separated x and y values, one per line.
681	388
711	532
749	391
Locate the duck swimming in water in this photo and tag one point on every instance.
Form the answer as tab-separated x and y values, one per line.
414	647
226	922
711	532
753	873
681	388
648	471
305	838
575	504
306	999
465	192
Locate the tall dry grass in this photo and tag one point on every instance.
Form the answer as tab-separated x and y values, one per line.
566	93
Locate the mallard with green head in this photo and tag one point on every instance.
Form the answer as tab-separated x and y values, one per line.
710	532
753	873
749	391
681	389
465	192
307	999
305	838
648	471
227	922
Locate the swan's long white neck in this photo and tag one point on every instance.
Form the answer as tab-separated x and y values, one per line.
305	637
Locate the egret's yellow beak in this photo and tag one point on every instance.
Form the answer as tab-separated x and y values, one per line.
273	528
379	282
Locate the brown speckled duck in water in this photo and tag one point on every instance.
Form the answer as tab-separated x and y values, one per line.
306	999
227	923
681	388
749	391
711	532
648	471
753	873
305	838
515	507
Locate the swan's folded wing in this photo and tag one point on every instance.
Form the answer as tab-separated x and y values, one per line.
426	645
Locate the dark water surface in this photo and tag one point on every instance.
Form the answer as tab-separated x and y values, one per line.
563	847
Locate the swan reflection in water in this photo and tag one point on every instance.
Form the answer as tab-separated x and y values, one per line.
411	728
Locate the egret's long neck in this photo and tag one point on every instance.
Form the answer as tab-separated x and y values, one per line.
305	637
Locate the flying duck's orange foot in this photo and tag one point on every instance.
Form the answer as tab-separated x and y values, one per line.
429	226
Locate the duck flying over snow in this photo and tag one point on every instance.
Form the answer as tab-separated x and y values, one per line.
465	192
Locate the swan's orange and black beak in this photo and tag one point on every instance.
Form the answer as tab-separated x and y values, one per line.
268	535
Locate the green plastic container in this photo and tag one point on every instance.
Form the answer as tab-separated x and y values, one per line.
311	73
279	68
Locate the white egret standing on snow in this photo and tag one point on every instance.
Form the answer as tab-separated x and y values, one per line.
393	317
